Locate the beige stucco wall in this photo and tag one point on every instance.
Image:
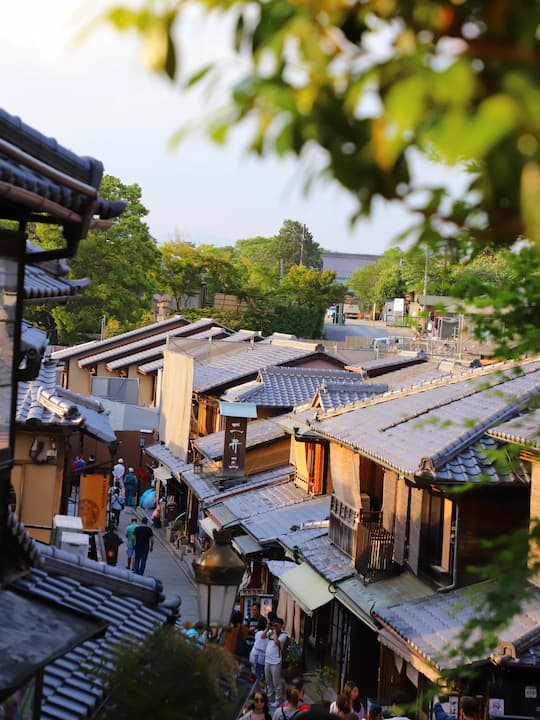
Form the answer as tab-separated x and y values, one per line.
38	487
79	379
176	390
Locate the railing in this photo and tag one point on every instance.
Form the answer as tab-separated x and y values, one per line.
361	535
375	550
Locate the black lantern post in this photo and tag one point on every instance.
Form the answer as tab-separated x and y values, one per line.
218	573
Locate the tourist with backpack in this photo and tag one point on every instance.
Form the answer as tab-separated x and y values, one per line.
291	709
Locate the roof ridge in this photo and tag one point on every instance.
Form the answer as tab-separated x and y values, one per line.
429	385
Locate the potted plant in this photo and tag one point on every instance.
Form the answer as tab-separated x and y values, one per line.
293	665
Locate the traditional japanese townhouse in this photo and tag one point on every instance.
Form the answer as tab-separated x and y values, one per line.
109	368
194	381
395	463
523	434
278	390
417	638
40	182
265	463
50	423
87	611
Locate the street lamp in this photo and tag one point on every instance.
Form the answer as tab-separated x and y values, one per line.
218	573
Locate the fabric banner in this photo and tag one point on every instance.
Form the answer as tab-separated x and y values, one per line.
94	493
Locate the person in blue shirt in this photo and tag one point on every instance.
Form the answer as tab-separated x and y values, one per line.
467	705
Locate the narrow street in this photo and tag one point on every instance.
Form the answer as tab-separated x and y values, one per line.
167	564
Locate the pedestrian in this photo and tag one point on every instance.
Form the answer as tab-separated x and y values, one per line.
290	710
258	707
130	481
258	654
117	505
195	633
272	661
118	472
111	543
130	541
298	683
468	707
144	543
352	692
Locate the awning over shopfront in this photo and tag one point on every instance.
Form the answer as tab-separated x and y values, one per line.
245	545
208	526
307	588
162	474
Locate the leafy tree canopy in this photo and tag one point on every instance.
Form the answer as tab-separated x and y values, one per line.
122	265
293	245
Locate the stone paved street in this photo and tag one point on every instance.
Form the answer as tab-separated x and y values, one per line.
165	563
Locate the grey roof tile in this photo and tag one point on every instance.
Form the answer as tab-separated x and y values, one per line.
47	192
431	625
287	387
246	362
267	527
130	336
425	428
522	430
327	559
41	402
41	285
135	346
70	691
205	486
255	502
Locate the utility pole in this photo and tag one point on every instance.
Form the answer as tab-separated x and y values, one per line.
302	244
426	271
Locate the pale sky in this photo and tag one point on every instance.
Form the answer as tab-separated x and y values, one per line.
96	98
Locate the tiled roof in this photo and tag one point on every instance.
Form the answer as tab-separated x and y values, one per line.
424	429
42	402
522	430
327	559
205	485
286	387
361	598
474	464
259	501
37	175
127	602
145	356
122	339
259	432
267	527
332	396
378	367
430	625
163	455
134	346
39	284
246	362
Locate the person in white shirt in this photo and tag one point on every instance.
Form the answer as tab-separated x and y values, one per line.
118	472
259	652
272	661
